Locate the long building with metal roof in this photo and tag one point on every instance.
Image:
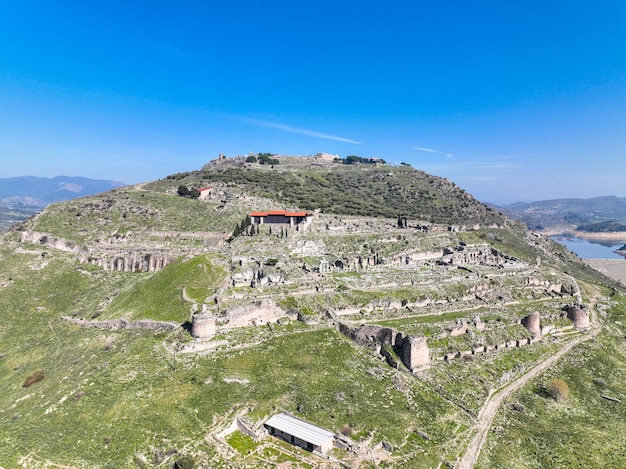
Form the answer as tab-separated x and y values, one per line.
300	433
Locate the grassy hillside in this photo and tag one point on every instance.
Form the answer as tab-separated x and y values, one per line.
97	397
365	190
544	432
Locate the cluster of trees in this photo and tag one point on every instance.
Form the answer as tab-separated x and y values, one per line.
247	228
603	227
243	228
262	158
353	159
190	192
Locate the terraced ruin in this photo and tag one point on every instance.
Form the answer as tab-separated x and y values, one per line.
393	332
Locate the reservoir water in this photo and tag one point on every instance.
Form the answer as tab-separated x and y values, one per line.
588	249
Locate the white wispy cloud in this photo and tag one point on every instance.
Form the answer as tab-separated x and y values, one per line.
432	150
296	130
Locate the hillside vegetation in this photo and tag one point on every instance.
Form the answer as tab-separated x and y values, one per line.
568	213
365	190
99	298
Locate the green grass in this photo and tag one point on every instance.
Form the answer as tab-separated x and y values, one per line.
160	295
584	430
242	443
113	398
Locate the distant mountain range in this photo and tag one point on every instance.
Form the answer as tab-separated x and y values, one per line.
22	197
571	213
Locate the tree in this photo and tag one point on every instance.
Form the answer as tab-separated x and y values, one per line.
353	159
558	389
266	158
251	159
183	190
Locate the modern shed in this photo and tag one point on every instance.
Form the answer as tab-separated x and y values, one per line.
300	433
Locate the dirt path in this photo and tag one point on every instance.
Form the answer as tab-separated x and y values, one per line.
488	412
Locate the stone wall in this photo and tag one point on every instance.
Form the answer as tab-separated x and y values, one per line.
132	262
254	314
115	324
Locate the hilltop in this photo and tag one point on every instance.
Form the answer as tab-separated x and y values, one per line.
567	214
144	328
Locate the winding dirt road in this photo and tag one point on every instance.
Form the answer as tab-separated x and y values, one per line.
488	412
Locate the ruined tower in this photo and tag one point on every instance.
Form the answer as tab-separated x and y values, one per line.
203	325
578	315
415	353
532	323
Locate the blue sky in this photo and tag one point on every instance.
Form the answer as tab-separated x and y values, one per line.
511	100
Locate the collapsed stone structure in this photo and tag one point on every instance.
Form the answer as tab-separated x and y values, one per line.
479	254
205	324
412	350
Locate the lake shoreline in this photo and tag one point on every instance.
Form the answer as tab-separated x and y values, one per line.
619	236
613	268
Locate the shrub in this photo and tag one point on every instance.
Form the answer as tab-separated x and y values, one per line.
599	382
33	378
558	389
